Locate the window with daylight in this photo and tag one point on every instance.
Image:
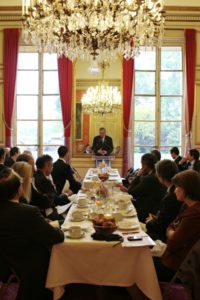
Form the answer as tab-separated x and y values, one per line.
158	101
38	116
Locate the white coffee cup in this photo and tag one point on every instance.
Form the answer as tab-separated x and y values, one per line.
77	215
82	201
75	231
118	216
122	204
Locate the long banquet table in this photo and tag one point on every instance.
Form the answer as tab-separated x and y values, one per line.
100	262
114	178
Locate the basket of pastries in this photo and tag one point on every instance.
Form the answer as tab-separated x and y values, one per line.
104	224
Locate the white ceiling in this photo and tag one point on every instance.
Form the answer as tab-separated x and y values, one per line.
166	2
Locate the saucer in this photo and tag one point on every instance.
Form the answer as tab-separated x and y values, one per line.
76	238
77	219
130	214
128	225
82	206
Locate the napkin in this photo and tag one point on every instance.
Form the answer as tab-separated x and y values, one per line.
72	198
107	237
63	208
159	248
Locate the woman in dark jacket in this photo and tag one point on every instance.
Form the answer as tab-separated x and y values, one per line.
170	207
146	188
181	235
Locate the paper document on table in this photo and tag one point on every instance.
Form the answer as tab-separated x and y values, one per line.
63	208
146	240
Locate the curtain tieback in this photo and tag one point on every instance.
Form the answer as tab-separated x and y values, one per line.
188	135
8	127
68	125
127	129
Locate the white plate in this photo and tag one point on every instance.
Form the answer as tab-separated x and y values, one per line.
75	238
127	225
130	214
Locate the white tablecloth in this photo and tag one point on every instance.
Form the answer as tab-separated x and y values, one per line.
114	178
96	262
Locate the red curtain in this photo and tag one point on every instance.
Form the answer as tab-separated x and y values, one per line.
190	61
128	76
65	72
10	56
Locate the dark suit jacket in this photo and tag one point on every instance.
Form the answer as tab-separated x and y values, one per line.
148	192
185	166
177	160
46	195
3	167
169	210
62	172
9	162
196	166
26	240
106	145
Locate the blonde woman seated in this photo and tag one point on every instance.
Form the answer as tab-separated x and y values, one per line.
184	232
24	170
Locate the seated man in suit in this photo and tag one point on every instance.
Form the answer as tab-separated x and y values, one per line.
26	239
146	189
102	144
11	159
44	194
191	161
174	151
62	171
2	159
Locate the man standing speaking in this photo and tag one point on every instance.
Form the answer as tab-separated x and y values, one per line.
102	143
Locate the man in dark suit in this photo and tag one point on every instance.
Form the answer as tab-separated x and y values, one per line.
2	159
191	161
62	171
26	239
102	144
146	189
174	151
11	159
44	194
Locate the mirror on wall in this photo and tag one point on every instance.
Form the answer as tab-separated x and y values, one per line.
86	126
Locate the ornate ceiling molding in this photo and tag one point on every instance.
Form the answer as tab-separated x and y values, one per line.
172	13
182	8
10	18
182	18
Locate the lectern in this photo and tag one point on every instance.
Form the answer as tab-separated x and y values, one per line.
98	159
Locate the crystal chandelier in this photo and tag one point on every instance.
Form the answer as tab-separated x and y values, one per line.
101	99
97	29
